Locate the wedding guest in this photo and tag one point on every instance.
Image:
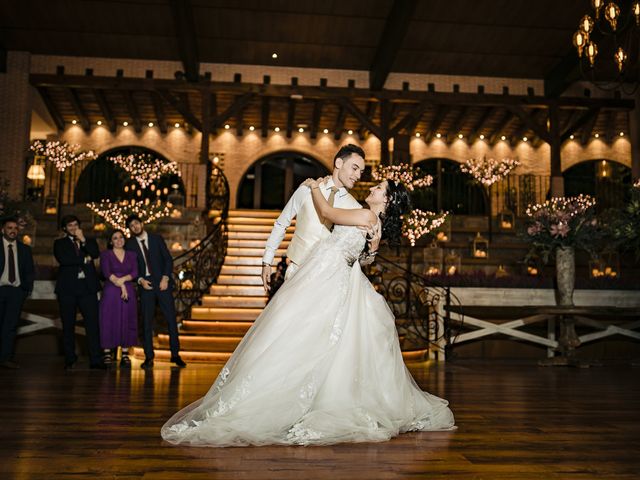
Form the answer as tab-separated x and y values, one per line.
118	305
77	287
155	268
16	283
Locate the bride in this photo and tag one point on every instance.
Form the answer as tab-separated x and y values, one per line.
322	363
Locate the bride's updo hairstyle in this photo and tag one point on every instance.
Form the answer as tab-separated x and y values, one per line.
398	203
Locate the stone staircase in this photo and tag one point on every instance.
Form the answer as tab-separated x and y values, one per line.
216	327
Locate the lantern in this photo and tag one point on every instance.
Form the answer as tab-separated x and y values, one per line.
506	220
452	263
480	247
433	256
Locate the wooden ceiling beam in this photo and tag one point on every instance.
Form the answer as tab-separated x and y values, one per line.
524	127
105	109
181	104
264	116
185	27
72	95
291	116
362	117
410	120
395	29
540	130
441	113
158	108
315	118
311	92
582	120
133	110
481	123
498	132
339	125
587	128
233	110
371	111
51	108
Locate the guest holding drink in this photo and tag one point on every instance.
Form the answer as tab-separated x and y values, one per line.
118	307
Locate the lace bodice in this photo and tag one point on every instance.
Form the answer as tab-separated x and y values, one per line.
348	241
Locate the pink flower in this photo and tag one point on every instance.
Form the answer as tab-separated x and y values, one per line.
534	229
560	229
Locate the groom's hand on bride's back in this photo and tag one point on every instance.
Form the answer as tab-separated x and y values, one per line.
266	277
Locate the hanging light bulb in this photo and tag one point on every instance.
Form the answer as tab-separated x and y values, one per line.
597	6
591	52
635	8
586	24
580	39
620	57
611	13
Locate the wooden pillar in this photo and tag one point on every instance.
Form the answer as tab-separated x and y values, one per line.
385	111
557	181
634	138
401	149
206	126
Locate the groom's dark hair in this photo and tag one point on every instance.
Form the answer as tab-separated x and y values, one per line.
347	150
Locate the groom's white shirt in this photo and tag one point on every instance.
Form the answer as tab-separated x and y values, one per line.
309	229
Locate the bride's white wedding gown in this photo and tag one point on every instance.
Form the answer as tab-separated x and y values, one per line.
320	365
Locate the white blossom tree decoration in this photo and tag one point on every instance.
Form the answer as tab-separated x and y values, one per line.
62	154
116	213
488	171
419	223
145	169
403	173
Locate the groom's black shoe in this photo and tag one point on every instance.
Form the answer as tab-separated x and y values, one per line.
147	364
178	361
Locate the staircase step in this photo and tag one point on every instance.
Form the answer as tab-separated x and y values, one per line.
201	343
234	260
240	279
251	270
236	290
250	243
254	213
218	328
252	252
235	301
225	313
186	355
255	235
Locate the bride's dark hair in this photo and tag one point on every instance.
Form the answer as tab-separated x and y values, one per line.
398	203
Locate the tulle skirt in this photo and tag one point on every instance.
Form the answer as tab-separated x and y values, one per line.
320	365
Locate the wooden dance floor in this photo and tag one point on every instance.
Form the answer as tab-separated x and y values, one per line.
515	422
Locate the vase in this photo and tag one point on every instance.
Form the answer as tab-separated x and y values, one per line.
565	275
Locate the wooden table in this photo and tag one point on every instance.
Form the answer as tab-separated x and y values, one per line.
506	320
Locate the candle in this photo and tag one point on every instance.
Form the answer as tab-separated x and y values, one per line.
442	237
451	270
176	247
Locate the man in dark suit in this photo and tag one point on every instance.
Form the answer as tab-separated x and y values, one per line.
77	287
155	269
16	283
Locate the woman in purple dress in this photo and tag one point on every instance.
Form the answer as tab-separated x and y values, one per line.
118	306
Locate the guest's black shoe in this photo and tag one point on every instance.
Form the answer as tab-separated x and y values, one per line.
147	364
9	364
69	365
178	361
125	362
98	366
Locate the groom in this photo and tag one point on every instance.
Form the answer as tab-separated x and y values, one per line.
348	166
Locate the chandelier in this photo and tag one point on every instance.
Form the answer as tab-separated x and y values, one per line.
608	42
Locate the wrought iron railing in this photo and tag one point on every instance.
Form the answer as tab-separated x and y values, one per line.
198	268
417	302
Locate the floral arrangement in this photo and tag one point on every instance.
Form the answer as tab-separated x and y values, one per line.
563	222
488	171
62	154
419	223
116	213
145	169
402	173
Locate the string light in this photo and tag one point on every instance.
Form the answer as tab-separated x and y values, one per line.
350	132
61	154
277	129
301	130
402	173
481	137
74	121
419	223
145	169
99	122
326	130
488	171
150	124
227	126
438	135
116	213
177	125
252	128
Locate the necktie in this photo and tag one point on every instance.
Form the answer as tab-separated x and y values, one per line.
76	247
12	265
330	200
145	252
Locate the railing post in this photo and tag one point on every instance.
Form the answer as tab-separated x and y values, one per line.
447	323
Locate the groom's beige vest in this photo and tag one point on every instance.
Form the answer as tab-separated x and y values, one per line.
309	230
